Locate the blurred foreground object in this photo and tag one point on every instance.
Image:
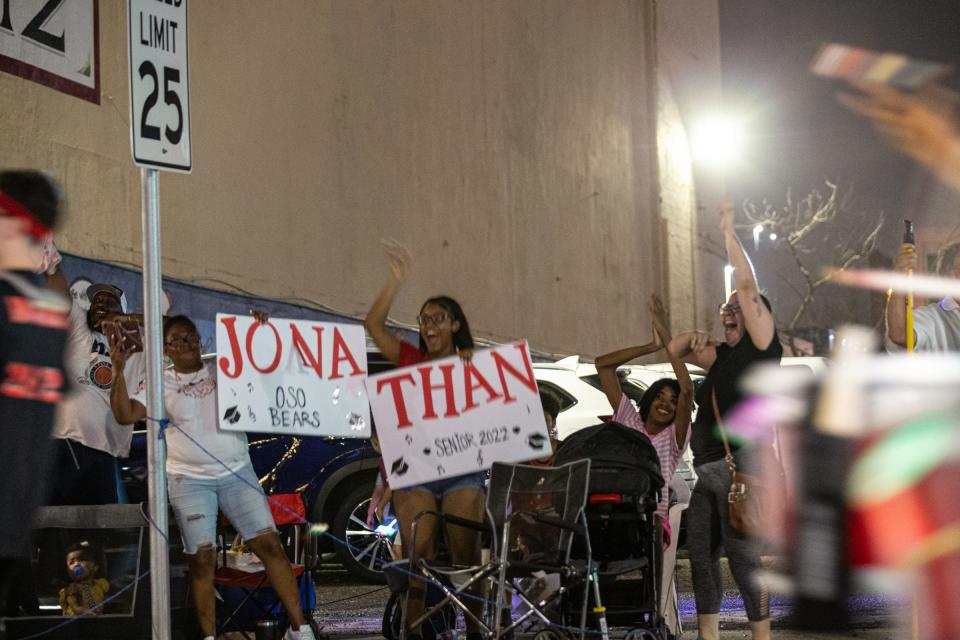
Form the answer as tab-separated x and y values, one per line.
880	280
921	125
872	451
862	65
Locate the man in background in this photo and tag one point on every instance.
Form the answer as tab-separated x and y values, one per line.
936	326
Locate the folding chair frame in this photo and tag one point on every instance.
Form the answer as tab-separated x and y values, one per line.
497	573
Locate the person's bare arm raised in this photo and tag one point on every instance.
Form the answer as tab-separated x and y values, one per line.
607	367
685	400
695	347
400	263
756	317
125	410
896	310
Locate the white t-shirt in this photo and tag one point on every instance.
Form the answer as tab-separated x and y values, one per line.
84	415
190	402
937	327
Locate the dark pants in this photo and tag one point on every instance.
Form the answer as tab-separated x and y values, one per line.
709	532
81	475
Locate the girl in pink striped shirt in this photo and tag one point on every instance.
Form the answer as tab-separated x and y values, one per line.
664	417
665	408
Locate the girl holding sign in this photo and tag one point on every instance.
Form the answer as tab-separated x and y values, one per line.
200	484
444	332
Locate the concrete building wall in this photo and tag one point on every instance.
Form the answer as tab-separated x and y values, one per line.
688	52
511	145
678	212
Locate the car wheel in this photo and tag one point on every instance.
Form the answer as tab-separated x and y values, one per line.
367	548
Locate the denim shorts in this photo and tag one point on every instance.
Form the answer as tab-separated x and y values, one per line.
440	488
196	501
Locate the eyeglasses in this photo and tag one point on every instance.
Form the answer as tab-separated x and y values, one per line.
729	309
181	342
436	319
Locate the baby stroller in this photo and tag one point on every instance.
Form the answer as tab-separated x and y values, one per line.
624	489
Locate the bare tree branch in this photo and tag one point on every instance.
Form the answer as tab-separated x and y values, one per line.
806	228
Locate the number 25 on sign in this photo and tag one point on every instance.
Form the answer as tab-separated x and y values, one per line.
159	84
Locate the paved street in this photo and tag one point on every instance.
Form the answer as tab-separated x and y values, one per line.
349	609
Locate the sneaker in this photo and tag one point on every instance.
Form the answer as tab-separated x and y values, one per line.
303	633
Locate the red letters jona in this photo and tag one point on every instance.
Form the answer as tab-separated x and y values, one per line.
299	348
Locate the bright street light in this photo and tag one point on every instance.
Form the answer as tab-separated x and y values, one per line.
718	139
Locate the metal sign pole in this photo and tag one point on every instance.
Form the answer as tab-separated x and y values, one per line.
156	446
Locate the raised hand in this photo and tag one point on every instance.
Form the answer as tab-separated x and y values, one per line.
920	126
657	340
906	258
399	259
701	341
118	355
659	314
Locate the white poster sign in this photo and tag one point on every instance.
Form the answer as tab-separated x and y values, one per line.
53	43
446	418
292	377
159	84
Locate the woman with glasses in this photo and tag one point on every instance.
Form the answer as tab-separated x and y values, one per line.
444	332
749	337
208	470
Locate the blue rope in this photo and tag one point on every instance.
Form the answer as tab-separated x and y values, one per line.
162	424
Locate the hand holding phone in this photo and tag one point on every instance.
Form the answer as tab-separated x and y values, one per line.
858	65
125	332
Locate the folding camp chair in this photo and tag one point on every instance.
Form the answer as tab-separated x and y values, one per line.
246	593
533	514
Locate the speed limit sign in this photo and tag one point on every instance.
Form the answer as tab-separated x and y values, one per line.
159	84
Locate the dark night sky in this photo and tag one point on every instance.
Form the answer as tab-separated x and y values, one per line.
800	134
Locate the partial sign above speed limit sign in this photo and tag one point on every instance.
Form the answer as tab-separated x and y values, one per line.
159	84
